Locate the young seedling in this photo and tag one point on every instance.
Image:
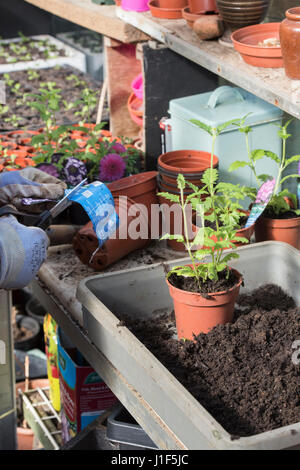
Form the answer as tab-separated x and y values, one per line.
215	209
279	202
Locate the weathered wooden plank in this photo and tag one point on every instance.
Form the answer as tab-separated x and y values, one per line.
101	19
121	68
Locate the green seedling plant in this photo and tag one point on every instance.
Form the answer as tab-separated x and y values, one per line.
279	202
215	210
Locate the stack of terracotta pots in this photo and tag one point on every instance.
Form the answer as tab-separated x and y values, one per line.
191	164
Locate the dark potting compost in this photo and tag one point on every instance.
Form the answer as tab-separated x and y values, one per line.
225	282
242	373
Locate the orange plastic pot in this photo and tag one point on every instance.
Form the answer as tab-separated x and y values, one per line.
186	162
85	242
191	17
170	4
195	314
281	230
196	6
25	436
166	13
141	188
246	40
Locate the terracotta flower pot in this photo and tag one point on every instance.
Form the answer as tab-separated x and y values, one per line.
239	13
190	17
196	6
190	163
171	4
85	242
142	188
195	314
281	230
290	42
167	13
246	42
25	436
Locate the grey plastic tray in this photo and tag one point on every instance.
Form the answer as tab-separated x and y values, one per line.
129	435
142	292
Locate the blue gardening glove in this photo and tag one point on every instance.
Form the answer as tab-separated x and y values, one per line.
22	252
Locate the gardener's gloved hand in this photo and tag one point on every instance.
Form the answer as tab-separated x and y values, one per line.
30	183
22	252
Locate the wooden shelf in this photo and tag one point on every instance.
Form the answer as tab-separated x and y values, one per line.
271	85
101	19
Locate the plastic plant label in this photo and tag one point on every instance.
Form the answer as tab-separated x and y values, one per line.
97	201
263	197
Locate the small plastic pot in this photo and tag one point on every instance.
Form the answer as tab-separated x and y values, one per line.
85	242
195	314
34	327
171	4
35	310
186	162
167	13
196	6
142	188
280	230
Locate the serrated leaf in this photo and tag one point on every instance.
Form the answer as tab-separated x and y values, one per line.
202	126
170	197
238	164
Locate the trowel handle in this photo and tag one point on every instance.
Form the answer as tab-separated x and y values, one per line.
225	92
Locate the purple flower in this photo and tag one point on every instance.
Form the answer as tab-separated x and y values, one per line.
118	148
56	157
112	167
49	168
74	171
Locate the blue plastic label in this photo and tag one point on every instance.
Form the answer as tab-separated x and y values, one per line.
97	201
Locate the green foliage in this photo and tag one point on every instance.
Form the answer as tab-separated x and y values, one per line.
278	203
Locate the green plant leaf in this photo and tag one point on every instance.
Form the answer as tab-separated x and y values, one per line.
238	164
170	197
202	126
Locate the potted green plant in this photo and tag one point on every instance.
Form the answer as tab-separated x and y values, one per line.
204	292
280	220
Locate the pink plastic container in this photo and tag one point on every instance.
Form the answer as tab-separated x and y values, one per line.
137	86
135	5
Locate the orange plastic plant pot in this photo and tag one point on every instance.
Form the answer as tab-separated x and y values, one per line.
195	314
280	230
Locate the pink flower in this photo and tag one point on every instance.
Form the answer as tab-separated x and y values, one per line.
112	167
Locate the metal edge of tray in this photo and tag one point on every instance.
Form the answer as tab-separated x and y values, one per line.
124	350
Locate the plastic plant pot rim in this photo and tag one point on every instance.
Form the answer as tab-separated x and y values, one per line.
272	28
189	16
279	223
132	98
209	294
133	180
184	154
167	13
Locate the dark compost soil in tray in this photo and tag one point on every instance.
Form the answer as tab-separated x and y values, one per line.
242	373
71	91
